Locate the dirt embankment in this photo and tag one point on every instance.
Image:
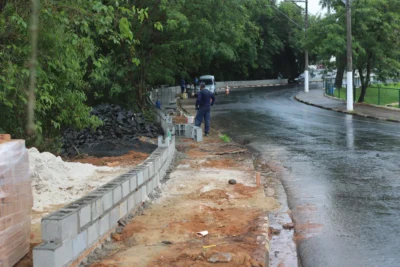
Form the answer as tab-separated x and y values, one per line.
198	197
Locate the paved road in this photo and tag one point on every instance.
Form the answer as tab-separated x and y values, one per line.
341	174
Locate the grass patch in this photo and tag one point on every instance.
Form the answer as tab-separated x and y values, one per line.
225	138
389	94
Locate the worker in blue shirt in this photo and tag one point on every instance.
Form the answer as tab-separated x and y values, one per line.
205	100
195	82
183	86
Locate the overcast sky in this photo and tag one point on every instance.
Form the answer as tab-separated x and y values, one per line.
313	7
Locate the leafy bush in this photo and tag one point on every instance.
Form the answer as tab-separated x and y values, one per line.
225	138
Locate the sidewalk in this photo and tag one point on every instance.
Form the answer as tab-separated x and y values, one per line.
318	99
197	197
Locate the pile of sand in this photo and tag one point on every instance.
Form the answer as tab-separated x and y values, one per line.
55	182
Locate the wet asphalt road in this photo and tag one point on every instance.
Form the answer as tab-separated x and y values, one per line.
341	174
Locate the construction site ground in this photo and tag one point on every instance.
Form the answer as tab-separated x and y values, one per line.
197	197
124	162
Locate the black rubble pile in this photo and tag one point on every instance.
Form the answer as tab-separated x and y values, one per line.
119	133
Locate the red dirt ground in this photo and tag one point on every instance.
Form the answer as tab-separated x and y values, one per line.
132	158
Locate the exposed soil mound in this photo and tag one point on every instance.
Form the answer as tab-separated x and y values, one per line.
129	159
115	148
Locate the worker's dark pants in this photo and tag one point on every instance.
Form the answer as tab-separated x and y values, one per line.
203	113
182	89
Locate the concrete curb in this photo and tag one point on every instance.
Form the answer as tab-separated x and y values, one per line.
345	111
364	104
73	232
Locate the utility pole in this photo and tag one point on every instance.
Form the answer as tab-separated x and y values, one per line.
349	78
306	77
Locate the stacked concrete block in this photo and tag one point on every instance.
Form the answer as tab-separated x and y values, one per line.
163	142
75	229
197	134
189	131
15	201
180	129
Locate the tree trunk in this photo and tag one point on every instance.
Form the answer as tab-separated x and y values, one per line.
341	67
363	86
362	94
365	82
339	77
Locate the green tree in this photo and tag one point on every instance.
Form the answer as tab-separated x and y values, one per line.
97	51
375	39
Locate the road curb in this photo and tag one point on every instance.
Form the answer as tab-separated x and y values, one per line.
364	104
345	111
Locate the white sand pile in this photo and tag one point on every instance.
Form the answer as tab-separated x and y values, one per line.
56	182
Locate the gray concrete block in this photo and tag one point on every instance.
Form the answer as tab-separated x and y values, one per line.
133	183
123	209
114	216
131	202
96	208
85	215
145	173
140	178
53	254
163	142
197	134
104	224
117	194
148	172
93	233
126	189
138	197
150	166
158	180
188	130
172	143
180	129
107	200
59	226
157	164
149	187
79	244
164	156
144	193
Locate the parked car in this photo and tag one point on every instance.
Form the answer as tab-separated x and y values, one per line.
209	81
299	79
291	80
313	76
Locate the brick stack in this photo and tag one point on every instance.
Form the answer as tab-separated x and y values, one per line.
15	201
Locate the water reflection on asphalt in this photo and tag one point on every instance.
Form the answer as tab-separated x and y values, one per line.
342	174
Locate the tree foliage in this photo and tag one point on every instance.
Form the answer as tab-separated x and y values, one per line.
376	38
96	51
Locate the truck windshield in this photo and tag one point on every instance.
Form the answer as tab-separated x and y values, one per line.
207	81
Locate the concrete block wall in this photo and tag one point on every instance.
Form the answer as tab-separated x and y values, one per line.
254	83
77	228
167	95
